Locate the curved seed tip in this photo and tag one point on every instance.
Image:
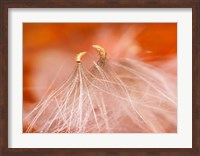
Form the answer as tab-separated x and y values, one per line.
101	52
79	56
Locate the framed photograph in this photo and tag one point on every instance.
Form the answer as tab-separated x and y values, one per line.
99	78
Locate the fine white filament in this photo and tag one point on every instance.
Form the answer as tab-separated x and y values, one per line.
112	97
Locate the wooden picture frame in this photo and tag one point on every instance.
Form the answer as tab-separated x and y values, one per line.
4	90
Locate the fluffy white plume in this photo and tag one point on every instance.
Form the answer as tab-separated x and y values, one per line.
112	97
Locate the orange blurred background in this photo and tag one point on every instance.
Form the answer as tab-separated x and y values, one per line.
49	46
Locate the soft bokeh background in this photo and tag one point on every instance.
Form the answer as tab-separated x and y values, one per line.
49	50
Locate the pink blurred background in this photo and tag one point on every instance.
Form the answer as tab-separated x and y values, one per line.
49	50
